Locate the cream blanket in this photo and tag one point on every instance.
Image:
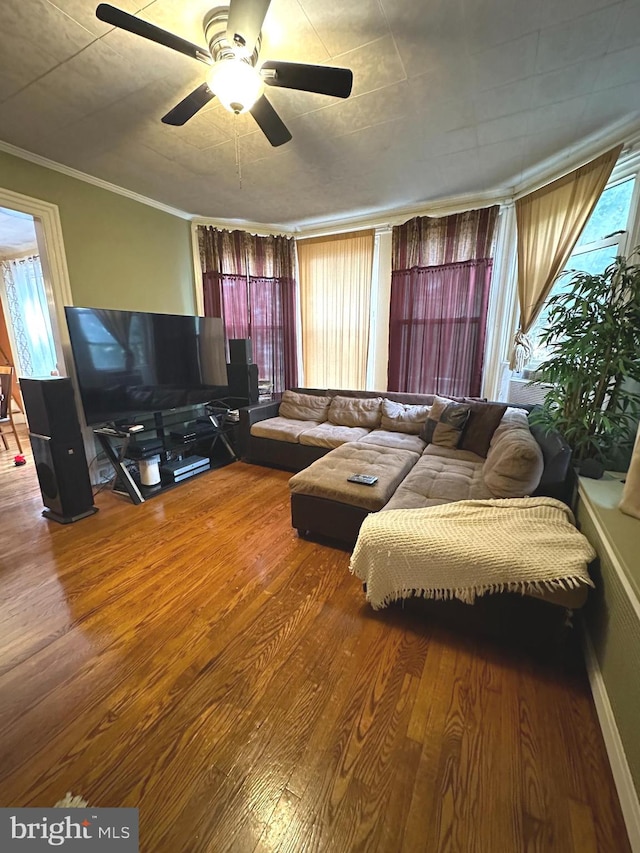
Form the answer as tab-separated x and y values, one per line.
469	548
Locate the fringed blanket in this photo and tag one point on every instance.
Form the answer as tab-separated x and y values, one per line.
469	548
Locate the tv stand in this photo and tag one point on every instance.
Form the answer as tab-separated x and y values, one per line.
116	454
168	439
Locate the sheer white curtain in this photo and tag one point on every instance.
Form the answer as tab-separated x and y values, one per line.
29	314
335	302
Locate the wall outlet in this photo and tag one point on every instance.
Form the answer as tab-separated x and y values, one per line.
105	473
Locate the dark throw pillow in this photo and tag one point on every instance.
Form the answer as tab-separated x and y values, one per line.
483	422
445	424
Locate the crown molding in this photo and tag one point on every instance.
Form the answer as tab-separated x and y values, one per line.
38	160
566	161
560	164
379	221
385	219
260	229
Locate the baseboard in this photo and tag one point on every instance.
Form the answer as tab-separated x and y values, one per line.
615	750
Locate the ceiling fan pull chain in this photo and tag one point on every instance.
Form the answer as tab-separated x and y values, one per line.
236	138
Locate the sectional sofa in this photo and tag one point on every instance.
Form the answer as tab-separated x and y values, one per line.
308	423
406	440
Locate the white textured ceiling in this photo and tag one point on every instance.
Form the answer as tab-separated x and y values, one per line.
17	233
450	97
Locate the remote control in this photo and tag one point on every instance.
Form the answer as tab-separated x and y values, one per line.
363	479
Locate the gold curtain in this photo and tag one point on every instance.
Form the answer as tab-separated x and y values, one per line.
549	222
335	300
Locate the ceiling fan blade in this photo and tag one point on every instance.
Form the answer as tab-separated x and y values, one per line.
246	18
189	106
270	122
322	79
125	21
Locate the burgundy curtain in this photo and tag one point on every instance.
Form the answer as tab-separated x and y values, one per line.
272	305
222	254
439	297
235	306
437	328
249	281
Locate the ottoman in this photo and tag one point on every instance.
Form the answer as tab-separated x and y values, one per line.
324	502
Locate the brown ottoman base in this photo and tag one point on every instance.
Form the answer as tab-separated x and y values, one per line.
324	501
328	518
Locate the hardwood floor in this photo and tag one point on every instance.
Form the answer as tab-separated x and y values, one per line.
194	658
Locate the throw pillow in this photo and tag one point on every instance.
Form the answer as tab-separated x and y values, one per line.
514	464
355	411
304	407
484	419
400	417
445	423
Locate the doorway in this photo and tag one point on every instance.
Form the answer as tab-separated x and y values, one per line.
27	340
42	221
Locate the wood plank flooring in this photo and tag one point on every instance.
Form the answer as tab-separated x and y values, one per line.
194	658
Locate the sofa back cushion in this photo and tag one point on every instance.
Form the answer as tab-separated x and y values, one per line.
356	412
512	418
483	421
399	417
445	423
304	407
514	463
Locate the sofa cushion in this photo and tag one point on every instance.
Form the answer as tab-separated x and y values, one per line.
327	477
399	417
281	429
484	419
512	418
445	423
453	453
438	479
354	412
399	440
331	435
304	407
514	464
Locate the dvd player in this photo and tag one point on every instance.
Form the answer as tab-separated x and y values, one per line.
180	467
180	477
193	431
149	447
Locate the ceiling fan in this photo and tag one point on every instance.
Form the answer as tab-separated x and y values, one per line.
233	37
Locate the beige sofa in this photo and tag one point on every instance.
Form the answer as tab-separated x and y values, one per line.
498	456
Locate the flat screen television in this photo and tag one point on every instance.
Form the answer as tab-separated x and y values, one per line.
131	362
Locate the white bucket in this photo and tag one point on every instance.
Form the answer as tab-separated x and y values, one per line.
150	471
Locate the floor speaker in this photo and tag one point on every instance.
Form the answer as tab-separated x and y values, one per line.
51	407
58	449
63	476
240	351
243	381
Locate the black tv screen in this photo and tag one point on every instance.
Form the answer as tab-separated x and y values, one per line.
133	362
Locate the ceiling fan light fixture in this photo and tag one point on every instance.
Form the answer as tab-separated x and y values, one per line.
236	84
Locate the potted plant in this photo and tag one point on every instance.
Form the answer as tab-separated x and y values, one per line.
593	334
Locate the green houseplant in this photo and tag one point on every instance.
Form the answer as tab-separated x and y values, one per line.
593	334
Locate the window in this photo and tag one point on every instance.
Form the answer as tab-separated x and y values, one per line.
602	239
335	297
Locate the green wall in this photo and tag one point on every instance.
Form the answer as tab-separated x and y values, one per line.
120	253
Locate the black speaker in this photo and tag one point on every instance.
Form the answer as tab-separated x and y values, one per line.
51	407
240	351
243	381
58	449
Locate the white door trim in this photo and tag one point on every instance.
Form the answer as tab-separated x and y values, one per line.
54	261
